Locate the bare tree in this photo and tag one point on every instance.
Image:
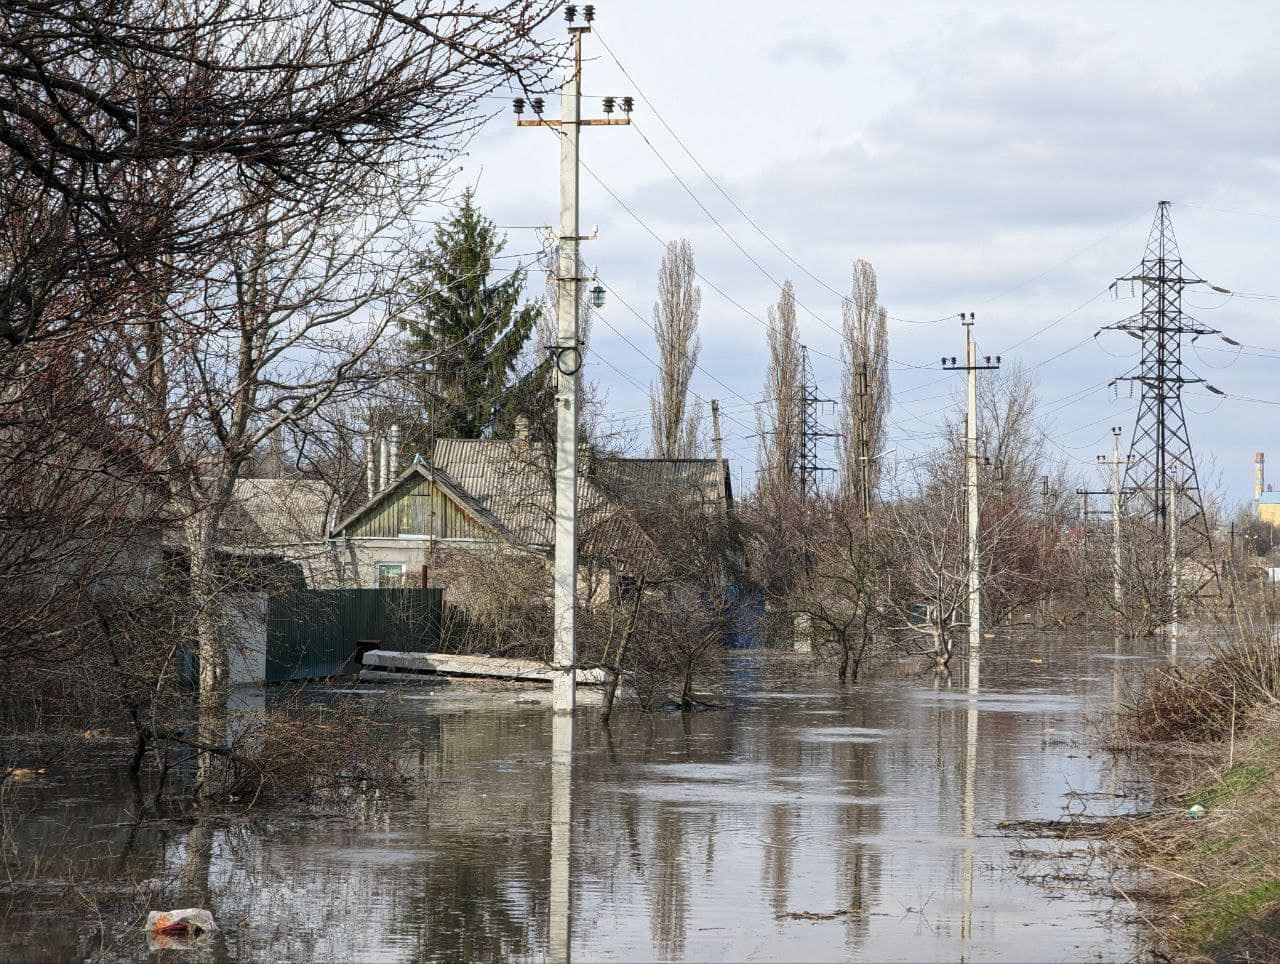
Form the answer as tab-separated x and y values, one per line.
242	182
930	568
834	577
780	421
864	389
674	425
121	127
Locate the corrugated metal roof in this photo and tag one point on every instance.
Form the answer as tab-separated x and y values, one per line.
277	512
513	480
646	481
512	483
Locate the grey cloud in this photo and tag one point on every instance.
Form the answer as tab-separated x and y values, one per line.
811	50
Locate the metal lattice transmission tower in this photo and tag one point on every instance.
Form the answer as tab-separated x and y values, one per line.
1160	453
808	468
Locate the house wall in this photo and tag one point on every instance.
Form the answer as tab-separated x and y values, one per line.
1269	511
360	558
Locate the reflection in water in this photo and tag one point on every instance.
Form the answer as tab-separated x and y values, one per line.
967	808
561	828
818	824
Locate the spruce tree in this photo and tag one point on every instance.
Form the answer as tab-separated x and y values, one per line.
471	325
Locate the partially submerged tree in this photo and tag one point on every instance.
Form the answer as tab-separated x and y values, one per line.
673	423
930	567
835	581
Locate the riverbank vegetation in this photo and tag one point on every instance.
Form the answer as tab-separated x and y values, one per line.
1209	856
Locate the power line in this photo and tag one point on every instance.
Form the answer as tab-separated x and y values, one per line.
725	194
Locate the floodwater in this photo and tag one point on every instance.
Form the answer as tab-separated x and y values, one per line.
805	822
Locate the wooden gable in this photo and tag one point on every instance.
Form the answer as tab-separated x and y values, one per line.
417	506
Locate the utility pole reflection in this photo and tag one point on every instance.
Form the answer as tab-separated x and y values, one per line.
561	828
967	811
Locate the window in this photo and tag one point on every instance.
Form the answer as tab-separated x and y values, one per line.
390	575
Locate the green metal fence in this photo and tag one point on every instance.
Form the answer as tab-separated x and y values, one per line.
319	632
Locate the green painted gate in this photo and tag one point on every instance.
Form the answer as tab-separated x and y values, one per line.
317	632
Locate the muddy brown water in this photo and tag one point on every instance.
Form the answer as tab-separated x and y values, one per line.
805	822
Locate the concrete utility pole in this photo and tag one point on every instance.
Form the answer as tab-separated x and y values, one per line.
567	352
716	439
1044	512
558	911
1117	554
972	367
1116	492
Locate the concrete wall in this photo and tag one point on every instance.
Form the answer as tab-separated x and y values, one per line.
244	625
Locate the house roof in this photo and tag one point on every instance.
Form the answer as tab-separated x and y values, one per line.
645	481
1269	498
513	481
508	486
276	512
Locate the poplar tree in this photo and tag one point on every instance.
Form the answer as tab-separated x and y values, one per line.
783	402
864	391
673	422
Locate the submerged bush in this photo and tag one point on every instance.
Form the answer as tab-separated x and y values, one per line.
1207	700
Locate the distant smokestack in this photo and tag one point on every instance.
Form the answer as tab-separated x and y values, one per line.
371	464
395	456
385	473
1259	476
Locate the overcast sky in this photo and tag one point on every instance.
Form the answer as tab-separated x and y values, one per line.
1004	159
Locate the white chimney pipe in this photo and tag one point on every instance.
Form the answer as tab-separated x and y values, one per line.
371	465
395	455
385	474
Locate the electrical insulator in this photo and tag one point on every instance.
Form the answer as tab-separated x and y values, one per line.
627	104
944	359
537	105
570	13
997	359
589	12
518	104
608	105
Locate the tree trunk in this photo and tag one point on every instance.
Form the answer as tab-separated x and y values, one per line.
211	649
616	675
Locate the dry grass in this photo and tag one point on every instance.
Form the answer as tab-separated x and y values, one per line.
1207	701
1214	887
